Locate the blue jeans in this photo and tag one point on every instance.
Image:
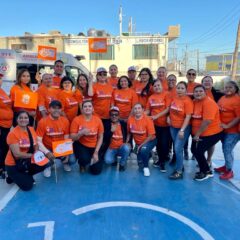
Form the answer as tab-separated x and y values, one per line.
229	141
145	152
123	152
179	145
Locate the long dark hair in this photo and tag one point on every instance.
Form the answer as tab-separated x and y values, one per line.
19	75
129	82
79	87
146	89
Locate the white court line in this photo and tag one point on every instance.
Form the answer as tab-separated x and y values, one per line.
48	228
204	234
8	196
229	188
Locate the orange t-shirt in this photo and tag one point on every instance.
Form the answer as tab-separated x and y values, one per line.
6	112
156	104
56	81
94	125
206	109
139	86
172	93
51	130
124	99
69	104
46	96
20	137
164	84
113	81
117	138
140	128
102	97
13	90
229	109
179	108
209	93
81	97
190	88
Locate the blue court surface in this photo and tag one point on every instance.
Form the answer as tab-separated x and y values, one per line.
124	205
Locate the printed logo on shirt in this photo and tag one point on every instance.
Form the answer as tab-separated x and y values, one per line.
5	100
52	133
156	103
119	98
133	129
197	116
71	102
102	94
24	143
176	108
92	131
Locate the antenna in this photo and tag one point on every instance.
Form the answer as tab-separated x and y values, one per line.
120	21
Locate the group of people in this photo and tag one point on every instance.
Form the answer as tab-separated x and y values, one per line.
115	116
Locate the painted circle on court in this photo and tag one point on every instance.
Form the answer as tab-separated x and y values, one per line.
195	227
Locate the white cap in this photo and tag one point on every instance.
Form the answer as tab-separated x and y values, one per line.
101	69
132	68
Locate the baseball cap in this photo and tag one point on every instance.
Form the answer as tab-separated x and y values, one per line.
101	69
132	68
55	103
114	108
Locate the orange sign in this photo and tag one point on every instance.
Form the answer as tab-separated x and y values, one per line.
62	148
26	99
97	45
39	158
47	53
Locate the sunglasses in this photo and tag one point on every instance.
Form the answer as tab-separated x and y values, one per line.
191	74
114	114
102	74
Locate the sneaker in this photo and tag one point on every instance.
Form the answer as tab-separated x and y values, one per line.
146	172
67	167
201	176
162	167
9	180
121	168
47	172
210	173
176	175
156	164
186	155
221	169
227	175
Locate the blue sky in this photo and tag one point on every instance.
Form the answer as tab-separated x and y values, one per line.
207	25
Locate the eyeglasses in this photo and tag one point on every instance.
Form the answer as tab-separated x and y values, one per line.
191	74
114	114
172	80
102	74
144	74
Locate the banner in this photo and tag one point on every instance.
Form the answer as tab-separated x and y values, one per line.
24	99
47	53
62	148
97	45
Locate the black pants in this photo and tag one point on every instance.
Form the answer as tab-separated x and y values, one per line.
22	179
199	148
3	146
84	155
163	138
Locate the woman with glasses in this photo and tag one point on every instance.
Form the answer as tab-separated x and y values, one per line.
141	127
229	106
158	108
87	132
206	130
68	98
143	87
181	109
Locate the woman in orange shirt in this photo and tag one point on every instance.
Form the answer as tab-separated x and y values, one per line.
143	87
83	88
6	118
87	132
68	99
158	108
181	109
22	84
113	79
141	127
229	106
206	130
22	141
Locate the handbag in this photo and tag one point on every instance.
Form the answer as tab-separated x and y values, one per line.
23	164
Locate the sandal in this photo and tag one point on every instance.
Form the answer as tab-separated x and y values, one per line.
176	175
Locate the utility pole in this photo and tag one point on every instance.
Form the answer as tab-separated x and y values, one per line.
120	21
198	62
235	55
186	58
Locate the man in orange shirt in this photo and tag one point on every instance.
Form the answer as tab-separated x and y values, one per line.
58	73
116	142
132	73
50	129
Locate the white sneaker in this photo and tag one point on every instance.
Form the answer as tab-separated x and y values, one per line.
47	172
67	167
146	172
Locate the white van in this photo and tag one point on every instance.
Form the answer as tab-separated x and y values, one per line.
13	60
